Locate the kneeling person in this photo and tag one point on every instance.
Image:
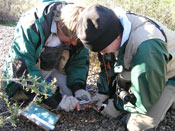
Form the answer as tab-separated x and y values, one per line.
45	45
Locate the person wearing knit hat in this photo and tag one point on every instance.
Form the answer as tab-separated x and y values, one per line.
98	28
137	68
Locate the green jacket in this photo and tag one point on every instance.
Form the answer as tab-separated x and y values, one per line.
147	68
31	32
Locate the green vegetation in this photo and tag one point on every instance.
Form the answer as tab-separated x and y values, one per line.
11	10
11	24
13	106
161	10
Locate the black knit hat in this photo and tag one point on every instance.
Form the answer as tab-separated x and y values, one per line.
97	27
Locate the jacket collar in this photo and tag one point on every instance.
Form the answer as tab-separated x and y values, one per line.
53	27
125	23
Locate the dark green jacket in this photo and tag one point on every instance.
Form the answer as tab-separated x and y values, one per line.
148	66
148	72
31	32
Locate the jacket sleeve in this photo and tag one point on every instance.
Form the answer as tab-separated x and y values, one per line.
77	69
24	46
148	74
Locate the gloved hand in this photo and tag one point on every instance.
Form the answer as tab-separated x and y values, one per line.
82	95
101	98
109	110
68	103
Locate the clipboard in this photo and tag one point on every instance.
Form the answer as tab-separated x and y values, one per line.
40	116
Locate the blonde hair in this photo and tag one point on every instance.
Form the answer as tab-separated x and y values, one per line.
69	17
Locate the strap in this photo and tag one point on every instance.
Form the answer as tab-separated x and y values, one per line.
48	15
109	67
151	21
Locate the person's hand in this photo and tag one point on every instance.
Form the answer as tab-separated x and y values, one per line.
83	95
69	103
101	98
109	110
